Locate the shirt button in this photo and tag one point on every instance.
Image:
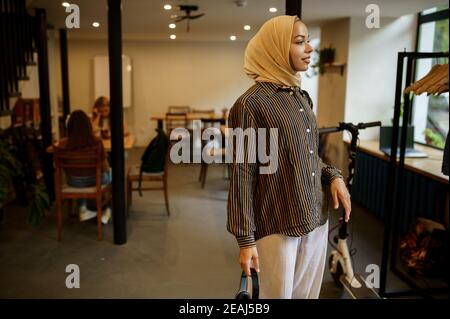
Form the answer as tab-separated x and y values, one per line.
313	173
310	151
291	93
308	130
301	110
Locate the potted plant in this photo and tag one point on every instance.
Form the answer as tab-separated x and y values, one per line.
433	138
326	57
16	180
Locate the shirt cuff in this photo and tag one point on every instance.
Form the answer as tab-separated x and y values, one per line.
330	173
246	241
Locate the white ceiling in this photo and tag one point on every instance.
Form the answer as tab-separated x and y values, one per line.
146	19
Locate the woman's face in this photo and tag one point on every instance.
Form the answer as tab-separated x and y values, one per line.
300	51
104	110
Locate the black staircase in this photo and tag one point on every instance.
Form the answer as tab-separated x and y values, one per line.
21	36
16	49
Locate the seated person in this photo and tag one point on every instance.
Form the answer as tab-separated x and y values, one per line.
101	120
81	138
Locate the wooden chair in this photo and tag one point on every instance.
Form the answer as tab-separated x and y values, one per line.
133	181
204	114
176	116
92	159
185	109
174	120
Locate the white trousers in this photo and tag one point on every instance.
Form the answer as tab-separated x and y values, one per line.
292	267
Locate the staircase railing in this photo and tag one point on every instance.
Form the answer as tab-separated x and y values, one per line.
16	49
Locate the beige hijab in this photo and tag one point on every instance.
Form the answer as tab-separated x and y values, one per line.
267	53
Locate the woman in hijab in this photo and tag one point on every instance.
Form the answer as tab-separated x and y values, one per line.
280	220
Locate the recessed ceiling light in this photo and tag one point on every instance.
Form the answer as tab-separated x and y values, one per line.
233	37
273	10
95	24
173	36
172	25
247	27
167	7
65	4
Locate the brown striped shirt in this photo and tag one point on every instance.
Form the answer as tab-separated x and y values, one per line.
292	201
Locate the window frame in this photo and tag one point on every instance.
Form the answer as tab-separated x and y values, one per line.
422	19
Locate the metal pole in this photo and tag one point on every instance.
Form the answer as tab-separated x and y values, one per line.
117	147
64	72
44	99
401	165
390	203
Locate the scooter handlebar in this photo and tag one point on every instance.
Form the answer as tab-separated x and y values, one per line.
370	124
343	126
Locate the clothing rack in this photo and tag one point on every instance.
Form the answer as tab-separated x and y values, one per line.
395	180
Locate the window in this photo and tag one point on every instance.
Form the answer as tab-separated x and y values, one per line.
431	112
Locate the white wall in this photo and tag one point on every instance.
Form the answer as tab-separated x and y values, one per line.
372	69
202	75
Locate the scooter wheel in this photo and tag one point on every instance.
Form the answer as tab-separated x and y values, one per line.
336	275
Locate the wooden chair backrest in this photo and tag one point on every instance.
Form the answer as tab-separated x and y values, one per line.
73	159
184	109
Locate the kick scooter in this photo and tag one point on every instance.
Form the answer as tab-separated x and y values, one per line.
340	263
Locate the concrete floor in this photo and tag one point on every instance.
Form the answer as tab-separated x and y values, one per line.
187	255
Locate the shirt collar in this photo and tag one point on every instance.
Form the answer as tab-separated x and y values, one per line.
270	88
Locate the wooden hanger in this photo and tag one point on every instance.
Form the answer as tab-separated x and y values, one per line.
434	82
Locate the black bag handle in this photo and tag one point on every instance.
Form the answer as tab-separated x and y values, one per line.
243	292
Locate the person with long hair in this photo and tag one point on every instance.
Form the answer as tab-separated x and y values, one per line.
280	218
101	119
81	138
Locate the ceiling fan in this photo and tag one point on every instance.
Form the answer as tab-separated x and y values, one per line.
188	9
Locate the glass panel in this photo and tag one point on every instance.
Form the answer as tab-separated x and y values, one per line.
431	112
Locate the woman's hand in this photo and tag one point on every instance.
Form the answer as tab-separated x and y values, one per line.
339	192
95	113
248	257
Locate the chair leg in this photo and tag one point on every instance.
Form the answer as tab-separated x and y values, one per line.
202	168
59	217
70	210
70	207
204	175
129	193
99	218
166	196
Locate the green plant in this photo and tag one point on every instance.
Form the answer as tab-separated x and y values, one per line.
15	179
326	56
434	138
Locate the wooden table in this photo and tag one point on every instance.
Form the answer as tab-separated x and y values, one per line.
128	142
424	188
429	166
